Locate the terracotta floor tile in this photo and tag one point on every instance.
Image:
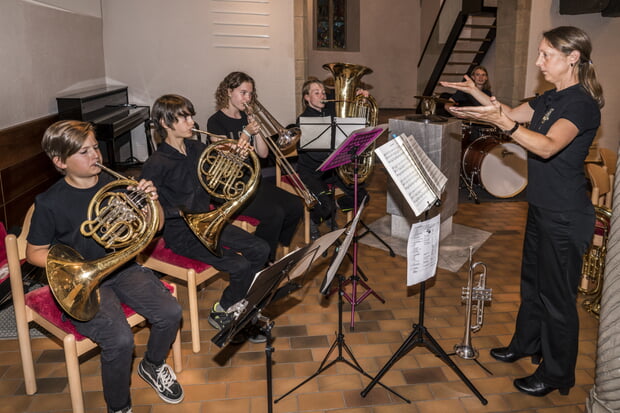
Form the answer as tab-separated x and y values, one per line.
306	326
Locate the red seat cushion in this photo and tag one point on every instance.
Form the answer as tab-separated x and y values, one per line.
250	220
161	252
288	180
42	302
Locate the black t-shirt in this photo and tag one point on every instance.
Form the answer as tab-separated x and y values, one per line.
559	183
59	213
220	124
176	177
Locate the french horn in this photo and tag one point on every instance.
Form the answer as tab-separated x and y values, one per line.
122	221
223	171
346	81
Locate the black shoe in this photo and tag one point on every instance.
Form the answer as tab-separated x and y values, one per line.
506	355
163	380
534	387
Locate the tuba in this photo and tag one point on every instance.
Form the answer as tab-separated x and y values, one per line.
224	173
125	222
594	258
593	265
346	81
286	141
480	294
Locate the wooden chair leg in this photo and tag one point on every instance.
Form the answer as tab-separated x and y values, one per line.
193	309
73	373
177	356
306	226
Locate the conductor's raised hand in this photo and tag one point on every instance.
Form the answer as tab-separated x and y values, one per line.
490	114
467	85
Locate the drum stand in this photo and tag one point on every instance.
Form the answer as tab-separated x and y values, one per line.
469	185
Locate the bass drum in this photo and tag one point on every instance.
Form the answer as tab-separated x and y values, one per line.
500	167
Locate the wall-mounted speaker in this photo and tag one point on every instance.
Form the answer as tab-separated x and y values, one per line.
583	6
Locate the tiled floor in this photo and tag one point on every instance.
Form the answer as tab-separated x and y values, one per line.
234	379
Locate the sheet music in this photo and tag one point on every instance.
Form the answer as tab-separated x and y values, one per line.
436	179
423	250
417	178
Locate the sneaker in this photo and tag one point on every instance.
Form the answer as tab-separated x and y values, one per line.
163	380
219	318
125	410
314	231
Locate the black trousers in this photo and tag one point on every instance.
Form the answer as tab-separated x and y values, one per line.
279	213
547	321
140	289
243	256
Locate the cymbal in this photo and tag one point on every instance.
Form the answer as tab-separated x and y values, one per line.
435	98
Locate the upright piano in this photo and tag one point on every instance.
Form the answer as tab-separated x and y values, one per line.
108	108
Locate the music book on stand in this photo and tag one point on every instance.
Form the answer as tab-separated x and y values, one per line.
419	180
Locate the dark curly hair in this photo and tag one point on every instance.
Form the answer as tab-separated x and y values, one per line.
232	81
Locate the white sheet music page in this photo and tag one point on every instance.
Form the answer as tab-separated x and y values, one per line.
423	250
436	179
408	174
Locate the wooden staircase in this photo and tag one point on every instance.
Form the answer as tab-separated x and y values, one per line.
471	35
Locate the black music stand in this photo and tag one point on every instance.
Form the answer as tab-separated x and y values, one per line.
339	343
346	153
421	337
327	134
264	290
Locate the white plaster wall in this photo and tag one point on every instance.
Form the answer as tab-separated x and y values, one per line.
604	33
162	46
389	44
43	52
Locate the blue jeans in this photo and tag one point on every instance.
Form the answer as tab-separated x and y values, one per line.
140	289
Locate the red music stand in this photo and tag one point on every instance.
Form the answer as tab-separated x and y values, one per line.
348	152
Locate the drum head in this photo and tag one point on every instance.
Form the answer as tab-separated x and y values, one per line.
503	171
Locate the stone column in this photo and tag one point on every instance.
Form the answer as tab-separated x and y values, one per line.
605	395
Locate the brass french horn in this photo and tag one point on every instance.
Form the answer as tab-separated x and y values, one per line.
119	220
224	173
346	81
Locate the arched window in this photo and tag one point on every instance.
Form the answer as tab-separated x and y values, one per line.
336	25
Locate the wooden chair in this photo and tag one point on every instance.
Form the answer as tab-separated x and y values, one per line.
609	158
162	259
39	306
288	184
601	189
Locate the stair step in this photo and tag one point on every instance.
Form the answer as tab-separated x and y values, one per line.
481	26
458	63
475	39
467	51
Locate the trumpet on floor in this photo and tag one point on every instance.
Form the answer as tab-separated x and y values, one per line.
480	294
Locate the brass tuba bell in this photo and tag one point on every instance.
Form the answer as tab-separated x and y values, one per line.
123	221
224	173
346	81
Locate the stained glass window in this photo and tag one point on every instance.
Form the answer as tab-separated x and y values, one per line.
331	31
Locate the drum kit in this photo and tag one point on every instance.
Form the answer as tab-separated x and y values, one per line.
491	160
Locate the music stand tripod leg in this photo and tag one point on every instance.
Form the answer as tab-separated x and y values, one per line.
421	337
377	237
341	345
